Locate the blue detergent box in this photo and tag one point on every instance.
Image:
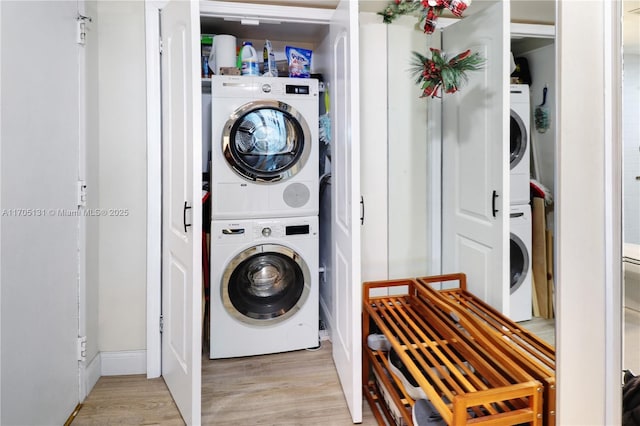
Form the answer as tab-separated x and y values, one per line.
299	60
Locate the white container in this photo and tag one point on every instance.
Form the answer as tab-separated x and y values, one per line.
223	52
269	60
249	59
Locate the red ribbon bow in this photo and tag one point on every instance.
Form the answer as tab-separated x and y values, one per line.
434	9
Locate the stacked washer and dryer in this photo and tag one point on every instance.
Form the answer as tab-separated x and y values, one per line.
264	229
520	217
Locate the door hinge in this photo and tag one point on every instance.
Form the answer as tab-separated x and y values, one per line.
161	324
82	193
81	31
161	46
81	38
82	348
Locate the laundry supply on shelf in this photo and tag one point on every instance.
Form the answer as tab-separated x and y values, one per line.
299	60
269	60
222	53
248	59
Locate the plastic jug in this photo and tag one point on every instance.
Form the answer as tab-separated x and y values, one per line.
249	59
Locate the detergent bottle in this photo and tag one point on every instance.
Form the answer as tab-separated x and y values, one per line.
269	60
248	59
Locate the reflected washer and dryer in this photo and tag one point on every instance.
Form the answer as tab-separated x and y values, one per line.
520	260
264	147
519	132
264	286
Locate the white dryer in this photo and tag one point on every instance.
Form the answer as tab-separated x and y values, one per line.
264	286
520	260
264	147
520	144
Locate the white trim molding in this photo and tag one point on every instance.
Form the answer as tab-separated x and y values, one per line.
613	147
588	284
92	373
0	215
265	13
154	188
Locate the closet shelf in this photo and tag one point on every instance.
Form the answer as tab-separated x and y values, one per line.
473	364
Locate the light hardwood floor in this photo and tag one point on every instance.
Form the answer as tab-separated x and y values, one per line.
292	388
543	328
129	400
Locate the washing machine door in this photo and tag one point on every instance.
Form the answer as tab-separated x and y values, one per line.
265	284
519	139
266	141
519	259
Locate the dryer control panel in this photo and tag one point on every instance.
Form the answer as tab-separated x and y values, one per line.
233	86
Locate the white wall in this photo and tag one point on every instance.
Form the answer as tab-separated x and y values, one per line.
631	154
373	146
394	160
407	154
542	66
122	178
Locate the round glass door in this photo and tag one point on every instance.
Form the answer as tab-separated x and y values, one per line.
266	141
518	136
265	284
519	259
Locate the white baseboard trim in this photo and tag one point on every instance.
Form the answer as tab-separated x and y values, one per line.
92	373
325	316
123	363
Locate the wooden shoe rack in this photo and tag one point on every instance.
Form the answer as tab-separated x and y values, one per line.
458	355
533	354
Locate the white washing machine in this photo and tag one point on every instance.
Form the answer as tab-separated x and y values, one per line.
520	144
264	286
264	147
520	260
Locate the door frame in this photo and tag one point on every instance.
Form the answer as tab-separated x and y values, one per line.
0	215
154	151
154	188
83	386
592	268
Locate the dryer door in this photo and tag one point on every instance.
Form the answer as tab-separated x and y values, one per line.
519	259
519	138
266	141
265	284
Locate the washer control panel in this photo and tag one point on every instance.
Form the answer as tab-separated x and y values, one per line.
270	230
280	230
255	230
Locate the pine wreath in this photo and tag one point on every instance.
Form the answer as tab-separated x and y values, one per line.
427	10
439	72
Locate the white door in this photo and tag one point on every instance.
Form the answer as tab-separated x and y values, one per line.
345	217
181	206
475	150
39	219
